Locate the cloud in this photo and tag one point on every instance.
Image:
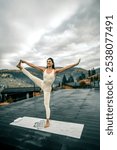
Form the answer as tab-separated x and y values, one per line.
35	30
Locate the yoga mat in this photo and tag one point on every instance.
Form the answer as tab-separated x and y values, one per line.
58	127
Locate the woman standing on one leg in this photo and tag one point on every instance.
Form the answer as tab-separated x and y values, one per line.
48	78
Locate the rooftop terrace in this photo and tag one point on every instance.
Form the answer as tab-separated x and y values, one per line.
76	105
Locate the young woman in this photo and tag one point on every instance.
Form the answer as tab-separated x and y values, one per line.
49	74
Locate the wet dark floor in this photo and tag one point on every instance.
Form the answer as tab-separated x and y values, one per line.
77	105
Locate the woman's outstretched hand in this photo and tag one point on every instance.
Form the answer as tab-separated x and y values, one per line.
78	62
23	61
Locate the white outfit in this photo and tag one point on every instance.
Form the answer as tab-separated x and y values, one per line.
45	85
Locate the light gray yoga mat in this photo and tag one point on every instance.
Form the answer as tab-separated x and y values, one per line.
58	127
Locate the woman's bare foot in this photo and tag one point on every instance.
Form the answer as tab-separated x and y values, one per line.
47	124
19	65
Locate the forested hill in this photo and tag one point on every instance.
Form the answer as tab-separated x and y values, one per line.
19	74
11	76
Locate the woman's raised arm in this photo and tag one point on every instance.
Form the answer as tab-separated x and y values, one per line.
33	66
67	67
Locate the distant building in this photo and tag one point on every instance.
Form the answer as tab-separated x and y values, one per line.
19	93
71	85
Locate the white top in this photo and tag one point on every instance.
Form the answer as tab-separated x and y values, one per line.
48	78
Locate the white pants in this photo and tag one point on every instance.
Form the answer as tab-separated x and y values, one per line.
46	89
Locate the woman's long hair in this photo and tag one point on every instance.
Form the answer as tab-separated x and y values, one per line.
53	66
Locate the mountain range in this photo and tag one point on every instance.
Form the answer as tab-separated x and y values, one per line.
18	75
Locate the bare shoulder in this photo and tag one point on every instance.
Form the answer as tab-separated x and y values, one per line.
56	71
43	69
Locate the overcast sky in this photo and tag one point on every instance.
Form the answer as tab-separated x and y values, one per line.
65	30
